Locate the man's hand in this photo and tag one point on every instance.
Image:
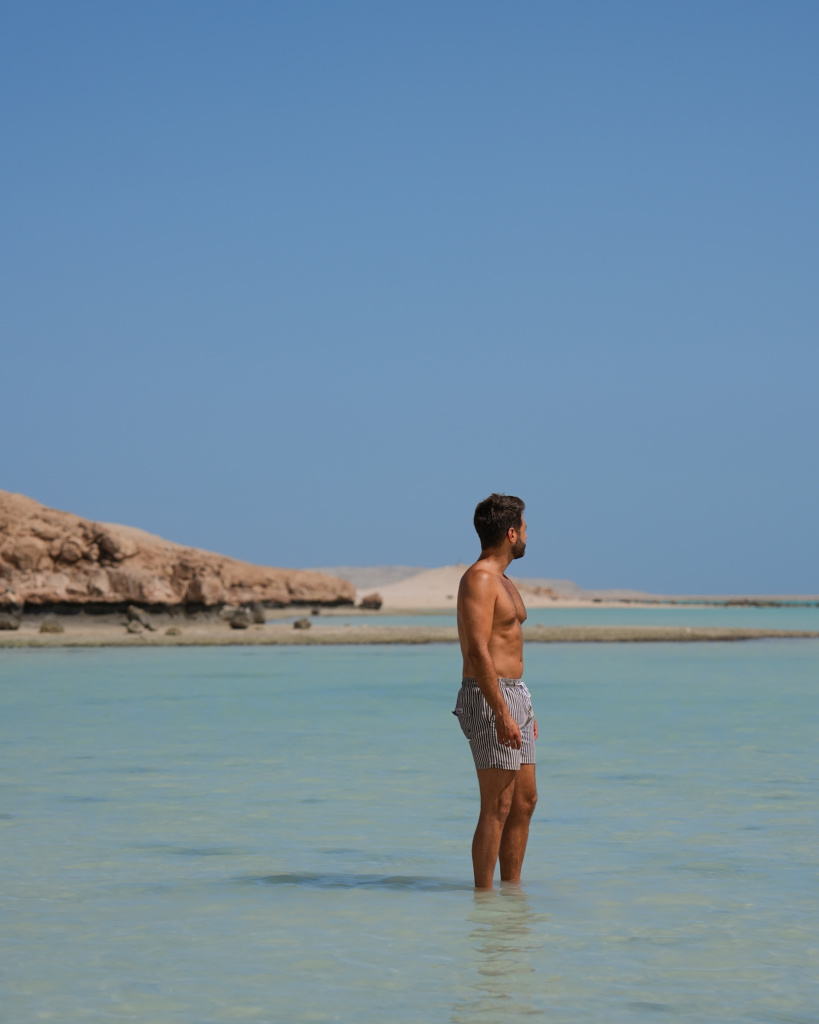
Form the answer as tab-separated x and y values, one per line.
508	731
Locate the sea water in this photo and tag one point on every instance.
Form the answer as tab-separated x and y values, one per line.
282	834
803	617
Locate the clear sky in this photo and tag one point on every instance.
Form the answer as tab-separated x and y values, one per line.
302	282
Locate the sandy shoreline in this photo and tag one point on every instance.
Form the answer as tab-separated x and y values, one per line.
424	593
218	633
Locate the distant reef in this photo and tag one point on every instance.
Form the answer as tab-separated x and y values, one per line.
55	559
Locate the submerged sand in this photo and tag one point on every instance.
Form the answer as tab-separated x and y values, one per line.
80	632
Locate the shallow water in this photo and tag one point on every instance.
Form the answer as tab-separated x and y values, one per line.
804	618
282	834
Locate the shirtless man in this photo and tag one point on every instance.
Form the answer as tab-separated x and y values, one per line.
494	706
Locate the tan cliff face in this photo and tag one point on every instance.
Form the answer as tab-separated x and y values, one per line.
48	557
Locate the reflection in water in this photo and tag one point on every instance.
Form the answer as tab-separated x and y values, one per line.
504	948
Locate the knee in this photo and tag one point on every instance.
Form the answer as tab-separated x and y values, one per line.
498	808
527	803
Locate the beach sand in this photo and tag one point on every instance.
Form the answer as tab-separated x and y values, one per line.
437	589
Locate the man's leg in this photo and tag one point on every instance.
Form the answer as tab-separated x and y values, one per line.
516	827
497	789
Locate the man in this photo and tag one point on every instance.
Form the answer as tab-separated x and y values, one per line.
494	706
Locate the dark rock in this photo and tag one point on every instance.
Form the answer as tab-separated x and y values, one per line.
316	611
138	615
173	631
9	621
51	624
240	619
373	601
134	626
257	613
302	624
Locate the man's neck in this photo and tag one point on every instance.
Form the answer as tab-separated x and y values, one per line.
496	561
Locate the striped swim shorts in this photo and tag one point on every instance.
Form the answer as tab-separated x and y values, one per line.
477	721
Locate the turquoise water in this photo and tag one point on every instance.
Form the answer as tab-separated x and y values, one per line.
282	834
755	618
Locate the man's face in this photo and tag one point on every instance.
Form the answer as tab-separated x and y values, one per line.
519	544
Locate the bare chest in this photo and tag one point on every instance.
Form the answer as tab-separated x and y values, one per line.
510	608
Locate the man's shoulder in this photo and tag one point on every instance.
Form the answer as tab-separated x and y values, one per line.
479	579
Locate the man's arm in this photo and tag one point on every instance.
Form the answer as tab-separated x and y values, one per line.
477	609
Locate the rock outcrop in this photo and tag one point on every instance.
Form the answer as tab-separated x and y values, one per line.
48	557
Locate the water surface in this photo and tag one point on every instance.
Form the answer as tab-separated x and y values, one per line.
282	834
802	618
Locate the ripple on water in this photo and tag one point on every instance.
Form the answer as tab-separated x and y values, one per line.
312	880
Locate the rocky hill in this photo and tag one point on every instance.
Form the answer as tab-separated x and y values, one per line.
53	558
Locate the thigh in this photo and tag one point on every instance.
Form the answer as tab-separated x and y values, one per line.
497	787
525	793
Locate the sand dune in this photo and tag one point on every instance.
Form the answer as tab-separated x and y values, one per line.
438	588
431	588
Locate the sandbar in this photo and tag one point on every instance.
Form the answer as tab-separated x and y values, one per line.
81	631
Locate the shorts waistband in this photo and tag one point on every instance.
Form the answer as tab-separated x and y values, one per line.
502	681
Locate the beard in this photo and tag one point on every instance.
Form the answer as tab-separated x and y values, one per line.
519	549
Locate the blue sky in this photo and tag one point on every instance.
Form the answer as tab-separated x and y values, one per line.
303	282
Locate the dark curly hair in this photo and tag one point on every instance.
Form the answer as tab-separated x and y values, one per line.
495	515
